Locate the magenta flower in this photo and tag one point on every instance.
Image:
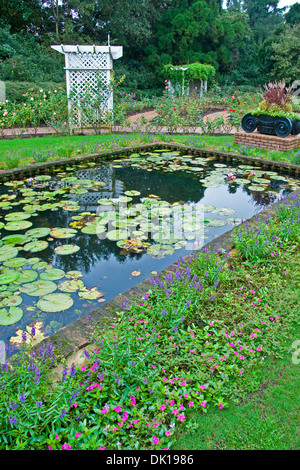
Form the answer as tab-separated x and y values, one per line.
220	405
118	409
66	447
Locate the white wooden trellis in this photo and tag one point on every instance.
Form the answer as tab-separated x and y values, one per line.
85	66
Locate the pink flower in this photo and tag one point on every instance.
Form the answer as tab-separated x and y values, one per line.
118	409
103	411
162	407
175	412
258	349
78	434
155	440
102	448
66	447
168	433
191	403
203	403
220	405
181	417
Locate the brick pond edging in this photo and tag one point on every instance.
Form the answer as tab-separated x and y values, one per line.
73	338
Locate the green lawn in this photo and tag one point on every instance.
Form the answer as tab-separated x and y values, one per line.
267	418
19	152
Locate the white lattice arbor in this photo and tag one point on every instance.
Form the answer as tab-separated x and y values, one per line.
88	68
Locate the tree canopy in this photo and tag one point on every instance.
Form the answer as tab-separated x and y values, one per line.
243	42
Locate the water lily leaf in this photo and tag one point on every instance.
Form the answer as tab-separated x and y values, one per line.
10	317
71	285
216	222
132	193
254	187
42	178
73	274
27	275
36	246
39	288
15	262
115	235
52	274
93	229
16	216
63	232
90	294
38	232
12	301
15	239
66	249
53	303
8	252
224	211
30	338
9	276
39	265
15	226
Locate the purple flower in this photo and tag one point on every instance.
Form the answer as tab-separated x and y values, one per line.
12	420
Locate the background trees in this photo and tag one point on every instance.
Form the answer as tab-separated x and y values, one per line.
249	42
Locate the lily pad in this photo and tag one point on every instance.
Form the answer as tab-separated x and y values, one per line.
93	229
15	262
8	252
19	225
15	239
16	216
38	232
36	246
115	235
27	275
66	249
11	316
90	294
12	301
52	274
71	285
39	288
53	303
132	193
9	276
63	232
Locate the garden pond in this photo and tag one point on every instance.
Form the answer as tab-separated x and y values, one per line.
78	237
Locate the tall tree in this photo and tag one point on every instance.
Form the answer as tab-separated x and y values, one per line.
293	15
264	16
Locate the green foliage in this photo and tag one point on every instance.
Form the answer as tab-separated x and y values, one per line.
195	71
285	54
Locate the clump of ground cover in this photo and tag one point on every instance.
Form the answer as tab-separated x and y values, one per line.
186	343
